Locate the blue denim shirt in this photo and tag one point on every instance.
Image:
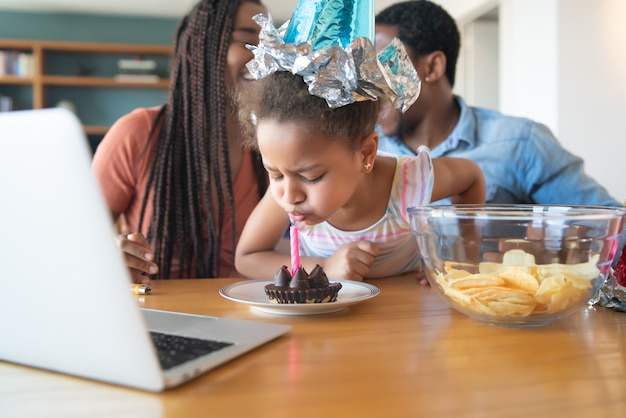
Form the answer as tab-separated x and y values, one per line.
521	160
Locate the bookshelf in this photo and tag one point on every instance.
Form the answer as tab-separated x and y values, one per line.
84	73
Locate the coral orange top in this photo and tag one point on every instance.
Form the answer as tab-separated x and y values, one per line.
122	165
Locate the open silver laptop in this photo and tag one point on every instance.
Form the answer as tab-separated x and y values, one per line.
65	299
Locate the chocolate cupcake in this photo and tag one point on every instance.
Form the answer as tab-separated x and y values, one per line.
302	287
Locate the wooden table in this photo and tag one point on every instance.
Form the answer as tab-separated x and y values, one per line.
403	353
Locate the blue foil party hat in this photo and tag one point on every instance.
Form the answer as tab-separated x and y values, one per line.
325	23
330	44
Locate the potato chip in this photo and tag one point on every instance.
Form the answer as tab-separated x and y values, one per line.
518	258
519	278
564	299
549	287
450	266
474	280
503	294
579	283
481	308
511	309
484	292
458	296
581	273
517	287
457	274
488	267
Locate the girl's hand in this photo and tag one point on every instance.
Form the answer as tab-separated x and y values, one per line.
138	256
421	278
352	262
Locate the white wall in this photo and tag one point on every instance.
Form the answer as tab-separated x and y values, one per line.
529	60
592	87
464	11
480	62
563	63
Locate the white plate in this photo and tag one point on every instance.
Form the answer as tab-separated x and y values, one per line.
252	292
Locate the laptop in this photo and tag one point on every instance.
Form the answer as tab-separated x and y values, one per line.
65	299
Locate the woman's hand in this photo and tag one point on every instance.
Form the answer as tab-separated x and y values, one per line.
138	256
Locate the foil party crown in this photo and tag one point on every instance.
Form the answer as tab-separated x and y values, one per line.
330	44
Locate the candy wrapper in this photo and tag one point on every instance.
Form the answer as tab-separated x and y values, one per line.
329	43
613	292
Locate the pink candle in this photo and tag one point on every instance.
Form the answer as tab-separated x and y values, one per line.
295	249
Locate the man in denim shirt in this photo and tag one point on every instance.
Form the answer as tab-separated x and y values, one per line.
522	160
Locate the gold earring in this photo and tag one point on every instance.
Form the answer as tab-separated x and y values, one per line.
367	166
427	79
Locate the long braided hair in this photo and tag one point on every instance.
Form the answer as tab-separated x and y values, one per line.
190	178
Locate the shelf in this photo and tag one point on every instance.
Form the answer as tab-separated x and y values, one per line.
95	129
84	74
61	80
105	48
15	80
86	47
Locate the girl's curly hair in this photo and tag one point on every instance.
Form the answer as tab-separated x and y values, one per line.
284	97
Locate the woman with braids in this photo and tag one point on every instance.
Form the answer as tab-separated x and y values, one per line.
178	173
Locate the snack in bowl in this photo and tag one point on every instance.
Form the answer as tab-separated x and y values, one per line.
517	286
302	287
517	265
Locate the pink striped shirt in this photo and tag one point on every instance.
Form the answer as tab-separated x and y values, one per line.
412	186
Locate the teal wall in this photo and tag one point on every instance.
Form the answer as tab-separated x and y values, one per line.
87	28
95	106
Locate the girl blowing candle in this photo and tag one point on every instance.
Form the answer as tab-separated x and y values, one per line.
311	115
349	203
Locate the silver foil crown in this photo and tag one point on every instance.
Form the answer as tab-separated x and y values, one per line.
339	75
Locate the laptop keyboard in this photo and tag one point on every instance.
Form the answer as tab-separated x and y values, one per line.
174	350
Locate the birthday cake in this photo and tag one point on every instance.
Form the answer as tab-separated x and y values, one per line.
302	287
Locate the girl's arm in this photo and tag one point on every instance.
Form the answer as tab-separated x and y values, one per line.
256	256
458	178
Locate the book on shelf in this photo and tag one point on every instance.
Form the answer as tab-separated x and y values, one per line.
6	103
137	64
137	70
16	63
137	78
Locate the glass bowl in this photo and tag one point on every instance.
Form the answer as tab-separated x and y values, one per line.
517	265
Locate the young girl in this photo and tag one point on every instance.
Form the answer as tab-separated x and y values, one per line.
348	203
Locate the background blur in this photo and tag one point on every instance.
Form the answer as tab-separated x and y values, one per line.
560	62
